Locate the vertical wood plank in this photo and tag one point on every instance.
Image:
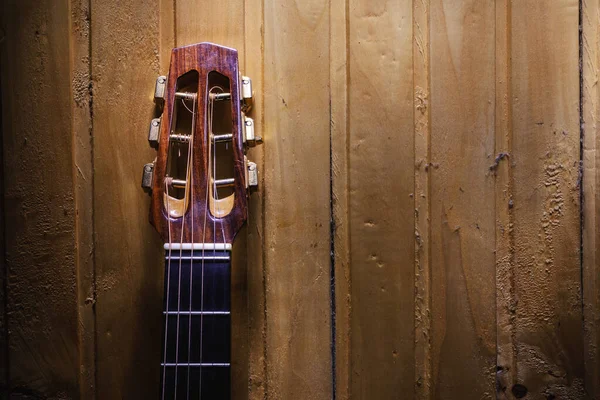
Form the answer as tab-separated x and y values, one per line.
381	205
253	67
4	354
591	191
422	197
545	160
39	199
505	288
83	171
462	199
338	67
297	199
128	255
223	23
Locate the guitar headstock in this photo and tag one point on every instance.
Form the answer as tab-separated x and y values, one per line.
200	179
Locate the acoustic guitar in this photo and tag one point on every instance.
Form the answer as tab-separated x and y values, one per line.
199	185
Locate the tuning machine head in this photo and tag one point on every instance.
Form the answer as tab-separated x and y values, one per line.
147	176
154	132
246	93
160	89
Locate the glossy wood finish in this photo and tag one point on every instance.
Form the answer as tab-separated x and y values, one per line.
203	58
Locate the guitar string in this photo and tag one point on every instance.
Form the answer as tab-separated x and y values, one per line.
216	193
216	196
168	291
185	202
191	149
214	167
206	211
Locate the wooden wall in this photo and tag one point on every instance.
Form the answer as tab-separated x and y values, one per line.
426	220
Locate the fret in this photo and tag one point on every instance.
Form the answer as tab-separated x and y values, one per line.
197	312
198	257
195	365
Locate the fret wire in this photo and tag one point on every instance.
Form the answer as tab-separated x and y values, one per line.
188	258
195	364
197	312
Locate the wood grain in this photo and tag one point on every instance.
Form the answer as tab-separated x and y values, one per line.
128	252
83	172
548	335
297	193
422	194
39	199
504	205
591	200
381	204
341	276
252	62
4	334
436	142
462	199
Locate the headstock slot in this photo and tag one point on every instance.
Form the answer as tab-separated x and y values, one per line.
221	157
180	145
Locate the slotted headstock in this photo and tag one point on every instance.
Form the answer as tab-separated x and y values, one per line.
200	179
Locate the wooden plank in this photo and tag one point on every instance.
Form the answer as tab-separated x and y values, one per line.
253	67
421	194
341	278
223	23
548	335
83	171
128	254
297	199
591	192
381	204
505	238
462	199
39	199
4	354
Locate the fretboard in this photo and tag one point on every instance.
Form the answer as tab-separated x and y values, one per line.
198	356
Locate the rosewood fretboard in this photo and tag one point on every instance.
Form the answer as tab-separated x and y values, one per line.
198	357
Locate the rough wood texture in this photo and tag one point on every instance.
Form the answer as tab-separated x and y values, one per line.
591	195
39	199
422	244
128	253
431	145
547	326
83	172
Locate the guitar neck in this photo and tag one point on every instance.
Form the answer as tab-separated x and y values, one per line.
197	326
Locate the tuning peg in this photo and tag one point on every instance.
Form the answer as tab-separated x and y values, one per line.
154	132
159	89
246	93
147	177
251	173
249	135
